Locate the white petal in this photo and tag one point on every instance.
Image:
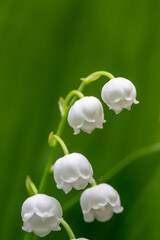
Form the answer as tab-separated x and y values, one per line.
66	187
42	232
93	198
26	227
117	209
104	214
27	216
91	108
89	217
135	101
75	116
76	131
80	184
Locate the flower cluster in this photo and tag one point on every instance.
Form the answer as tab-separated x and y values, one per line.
87	113
42	214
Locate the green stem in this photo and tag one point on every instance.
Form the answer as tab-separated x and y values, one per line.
96	75
117	168
69	97
52	142
53	150
80	89
47	169
68	229
51	155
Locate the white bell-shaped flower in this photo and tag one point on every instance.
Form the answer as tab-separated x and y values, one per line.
100	202
119	93
41	214
72	171
86	114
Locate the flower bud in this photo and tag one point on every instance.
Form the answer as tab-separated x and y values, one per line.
100	202
41	214
72	170
119	93
86	114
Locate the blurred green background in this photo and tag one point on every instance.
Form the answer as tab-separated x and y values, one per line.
45	47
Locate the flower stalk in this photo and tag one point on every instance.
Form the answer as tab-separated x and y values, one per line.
52	140
68	229
96	75
69	97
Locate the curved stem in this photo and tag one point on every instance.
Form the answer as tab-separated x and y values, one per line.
117	168
69	96
51	141
96	75
68	229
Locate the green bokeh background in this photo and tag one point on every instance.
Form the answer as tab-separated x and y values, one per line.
45	47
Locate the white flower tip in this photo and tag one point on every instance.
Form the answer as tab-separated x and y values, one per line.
67	191
76	131
58	228
121	209
118	111
136	102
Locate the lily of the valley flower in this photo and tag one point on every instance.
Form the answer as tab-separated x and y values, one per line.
72	170
100	202
86	114
41	214
119	93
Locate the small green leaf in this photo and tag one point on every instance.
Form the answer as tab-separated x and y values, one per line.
61	105
30	186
